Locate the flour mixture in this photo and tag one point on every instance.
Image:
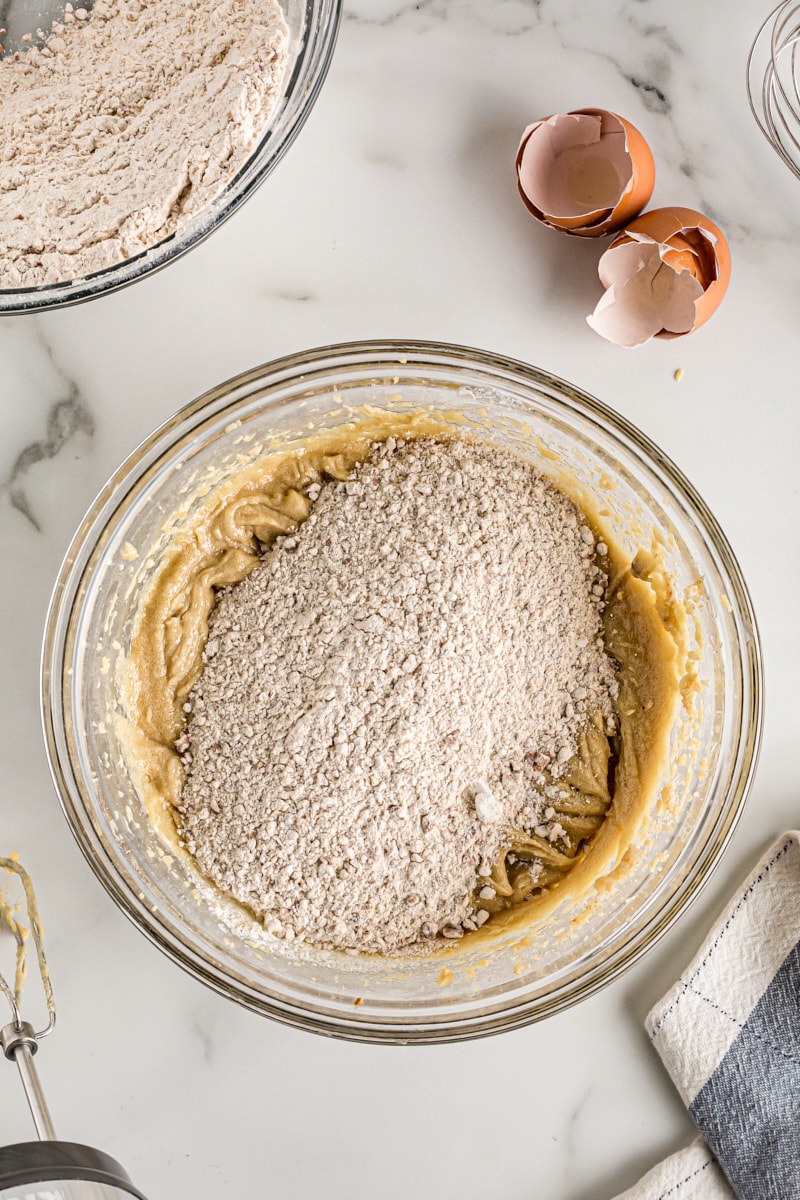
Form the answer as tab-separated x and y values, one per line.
398	685
123	123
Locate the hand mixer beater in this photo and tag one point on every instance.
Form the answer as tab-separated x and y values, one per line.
47	1169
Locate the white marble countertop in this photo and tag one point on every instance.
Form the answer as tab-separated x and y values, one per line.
395	215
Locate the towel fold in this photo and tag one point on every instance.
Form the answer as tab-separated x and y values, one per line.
728	1032
691	1174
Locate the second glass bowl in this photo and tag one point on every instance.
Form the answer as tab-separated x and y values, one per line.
472	990
313	26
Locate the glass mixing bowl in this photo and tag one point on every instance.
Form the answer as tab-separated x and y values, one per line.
469	990
313	25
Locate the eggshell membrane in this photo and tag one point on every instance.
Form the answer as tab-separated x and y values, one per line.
644	295
689	241
537	172
665	275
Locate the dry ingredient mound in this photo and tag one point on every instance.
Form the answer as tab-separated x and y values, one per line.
124	123
379	694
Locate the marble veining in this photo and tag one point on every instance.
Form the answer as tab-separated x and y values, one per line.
654	99
504	17
292	295
395	214
66	416
574	1132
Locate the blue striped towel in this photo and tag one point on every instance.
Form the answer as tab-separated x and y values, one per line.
729	1035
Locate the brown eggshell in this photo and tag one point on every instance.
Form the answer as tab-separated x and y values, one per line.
710	264
664	276
616	165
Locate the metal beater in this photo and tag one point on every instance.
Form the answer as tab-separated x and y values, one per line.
47	1169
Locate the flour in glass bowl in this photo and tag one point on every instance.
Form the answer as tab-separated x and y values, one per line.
124	123
377	695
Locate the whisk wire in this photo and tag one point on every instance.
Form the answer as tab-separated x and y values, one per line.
773	82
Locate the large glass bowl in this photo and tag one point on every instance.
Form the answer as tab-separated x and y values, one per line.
470	990
313	25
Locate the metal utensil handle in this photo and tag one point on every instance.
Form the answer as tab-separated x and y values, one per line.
33	1091
18	1042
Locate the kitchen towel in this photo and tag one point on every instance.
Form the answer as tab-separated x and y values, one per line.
728	1032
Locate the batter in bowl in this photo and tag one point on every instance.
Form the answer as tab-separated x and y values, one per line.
437	697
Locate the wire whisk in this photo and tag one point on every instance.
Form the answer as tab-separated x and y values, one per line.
773	82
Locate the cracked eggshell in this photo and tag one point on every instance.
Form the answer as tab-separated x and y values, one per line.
586	172
664	276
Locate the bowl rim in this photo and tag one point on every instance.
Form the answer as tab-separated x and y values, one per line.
315	57
434	1028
